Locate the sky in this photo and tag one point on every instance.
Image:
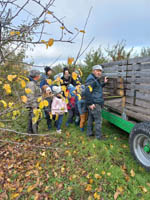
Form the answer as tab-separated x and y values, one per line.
110	21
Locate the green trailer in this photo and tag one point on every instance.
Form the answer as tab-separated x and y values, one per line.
127	103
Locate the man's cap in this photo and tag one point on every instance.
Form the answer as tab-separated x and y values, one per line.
97	67
47	69
34	73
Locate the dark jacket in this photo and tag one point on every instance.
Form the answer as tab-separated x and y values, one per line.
96	95
66	82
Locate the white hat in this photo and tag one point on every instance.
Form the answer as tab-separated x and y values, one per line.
56	89
48	89
97	67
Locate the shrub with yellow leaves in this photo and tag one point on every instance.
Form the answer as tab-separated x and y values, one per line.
7	88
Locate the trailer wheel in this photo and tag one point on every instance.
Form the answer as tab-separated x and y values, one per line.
139	141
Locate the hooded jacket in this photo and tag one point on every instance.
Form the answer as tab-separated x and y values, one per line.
95	96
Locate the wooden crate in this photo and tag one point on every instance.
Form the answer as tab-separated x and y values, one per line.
131	80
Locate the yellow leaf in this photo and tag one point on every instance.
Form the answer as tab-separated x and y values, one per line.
49	12
39	99
7	88
90	181
49	81
43	154
81	74
41	105
97	176
4	103
82	31
10	104
132	173
18	32
23	84
108	174
14	196
103	172
90	88
66	100
24	99
79	97
11	77
143	189
74	76
43	41
2	125
56	118
28	90
70	60
51	116
96	196
46	21
63	88
1	82
30	188
62	27
62	170
88	188
45	102
12	33
50	42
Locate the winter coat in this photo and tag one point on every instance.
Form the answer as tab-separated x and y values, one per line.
96	95
34	94
58	106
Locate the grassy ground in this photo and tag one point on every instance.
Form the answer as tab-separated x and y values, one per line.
74	167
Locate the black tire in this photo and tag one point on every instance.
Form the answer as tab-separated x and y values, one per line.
139	138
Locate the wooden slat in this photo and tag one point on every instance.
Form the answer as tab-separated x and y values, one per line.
140	103
139	60
121	62
138	109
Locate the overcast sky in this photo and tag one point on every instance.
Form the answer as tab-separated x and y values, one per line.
110	21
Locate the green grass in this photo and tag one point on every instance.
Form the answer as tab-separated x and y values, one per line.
76	167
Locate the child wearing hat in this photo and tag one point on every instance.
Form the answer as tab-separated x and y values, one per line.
48	96
48	72
58	107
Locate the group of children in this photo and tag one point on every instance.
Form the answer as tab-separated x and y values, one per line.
59	103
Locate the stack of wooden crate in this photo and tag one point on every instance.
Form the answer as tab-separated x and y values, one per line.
129	79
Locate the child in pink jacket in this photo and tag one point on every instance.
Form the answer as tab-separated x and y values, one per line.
58	107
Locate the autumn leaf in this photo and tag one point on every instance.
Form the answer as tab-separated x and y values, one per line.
14	196
49	81
70	60
88	187
28	90
46	21
62	27
97	176
50	42
17	32
82	31
43	41
96	196
90	88
12	33
11	77
4	103
31	187
74	76
39	99
117	193
24	99
79	97
56	118
45	102
23	84
7	88
143	189
2	125
10	104
132	173
49	12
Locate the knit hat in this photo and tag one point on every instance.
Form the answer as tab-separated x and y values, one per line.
47	69
97	67
48	89
34	73
56	89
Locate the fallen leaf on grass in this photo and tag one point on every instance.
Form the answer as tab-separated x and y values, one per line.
88	188
96	196
132	173
143	189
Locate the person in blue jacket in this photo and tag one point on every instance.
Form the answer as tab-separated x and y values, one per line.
94	100
48	73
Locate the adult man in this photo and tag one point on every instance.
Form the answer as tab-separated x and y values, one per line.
32	99
48	72
94	100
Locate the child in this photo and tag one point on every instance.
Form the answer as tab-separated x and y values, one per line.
59	106
71	104
47	95
82	109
